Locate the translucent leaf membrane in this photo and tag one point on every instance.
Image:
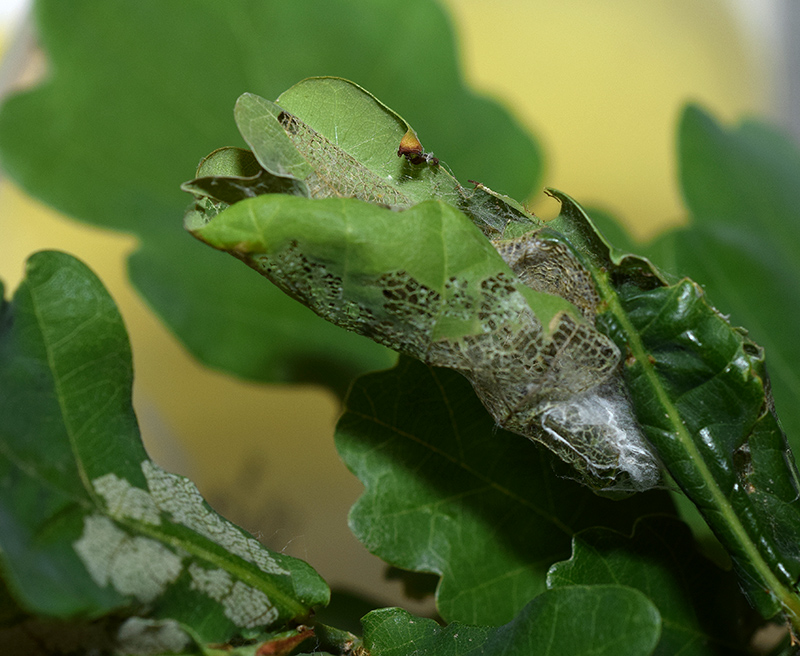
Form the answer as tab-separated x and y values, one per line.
89	526
598	423
549	378
427	283
309	136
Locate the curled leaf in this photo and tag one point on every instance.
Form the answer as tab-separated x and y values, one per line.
536	361
565	340
426	282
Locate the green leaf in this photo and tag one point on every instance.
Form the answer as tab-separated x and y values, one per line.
88	524
449	493
699	604
742	245
456	307
329	137
744	176
700	392
698	388
743	241
417	280
136	136
573	621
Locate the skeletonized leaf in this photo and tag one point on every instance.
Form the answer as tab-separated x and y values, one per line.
314	137
697	384
548	377
426	282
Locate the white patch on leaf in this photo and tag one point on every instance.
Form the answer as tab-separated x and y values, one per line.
143	567
242	604
138	636
600	426
124	501
180	499
132	565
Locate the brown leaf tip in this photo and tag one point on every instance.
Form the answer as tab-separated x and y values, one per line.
283	646
411	148
410	145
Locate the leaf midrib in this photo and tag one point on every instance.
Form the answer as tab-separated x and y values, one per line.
787	599
193	547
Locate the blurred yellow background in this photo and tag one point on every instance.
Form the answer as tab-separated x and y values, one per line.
600	84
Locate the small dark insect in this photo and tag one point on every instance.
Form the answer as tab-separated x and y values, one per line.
411	148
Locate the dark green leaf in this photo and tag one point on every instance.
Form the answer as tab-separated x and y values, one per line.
116	127
249	318
449	493
698	387
743	241
699	604
742	245
603	620
701	395
88	524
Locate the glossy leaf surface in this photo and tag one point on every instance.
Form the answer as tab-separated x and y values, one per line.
89	525
700	392
743	240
